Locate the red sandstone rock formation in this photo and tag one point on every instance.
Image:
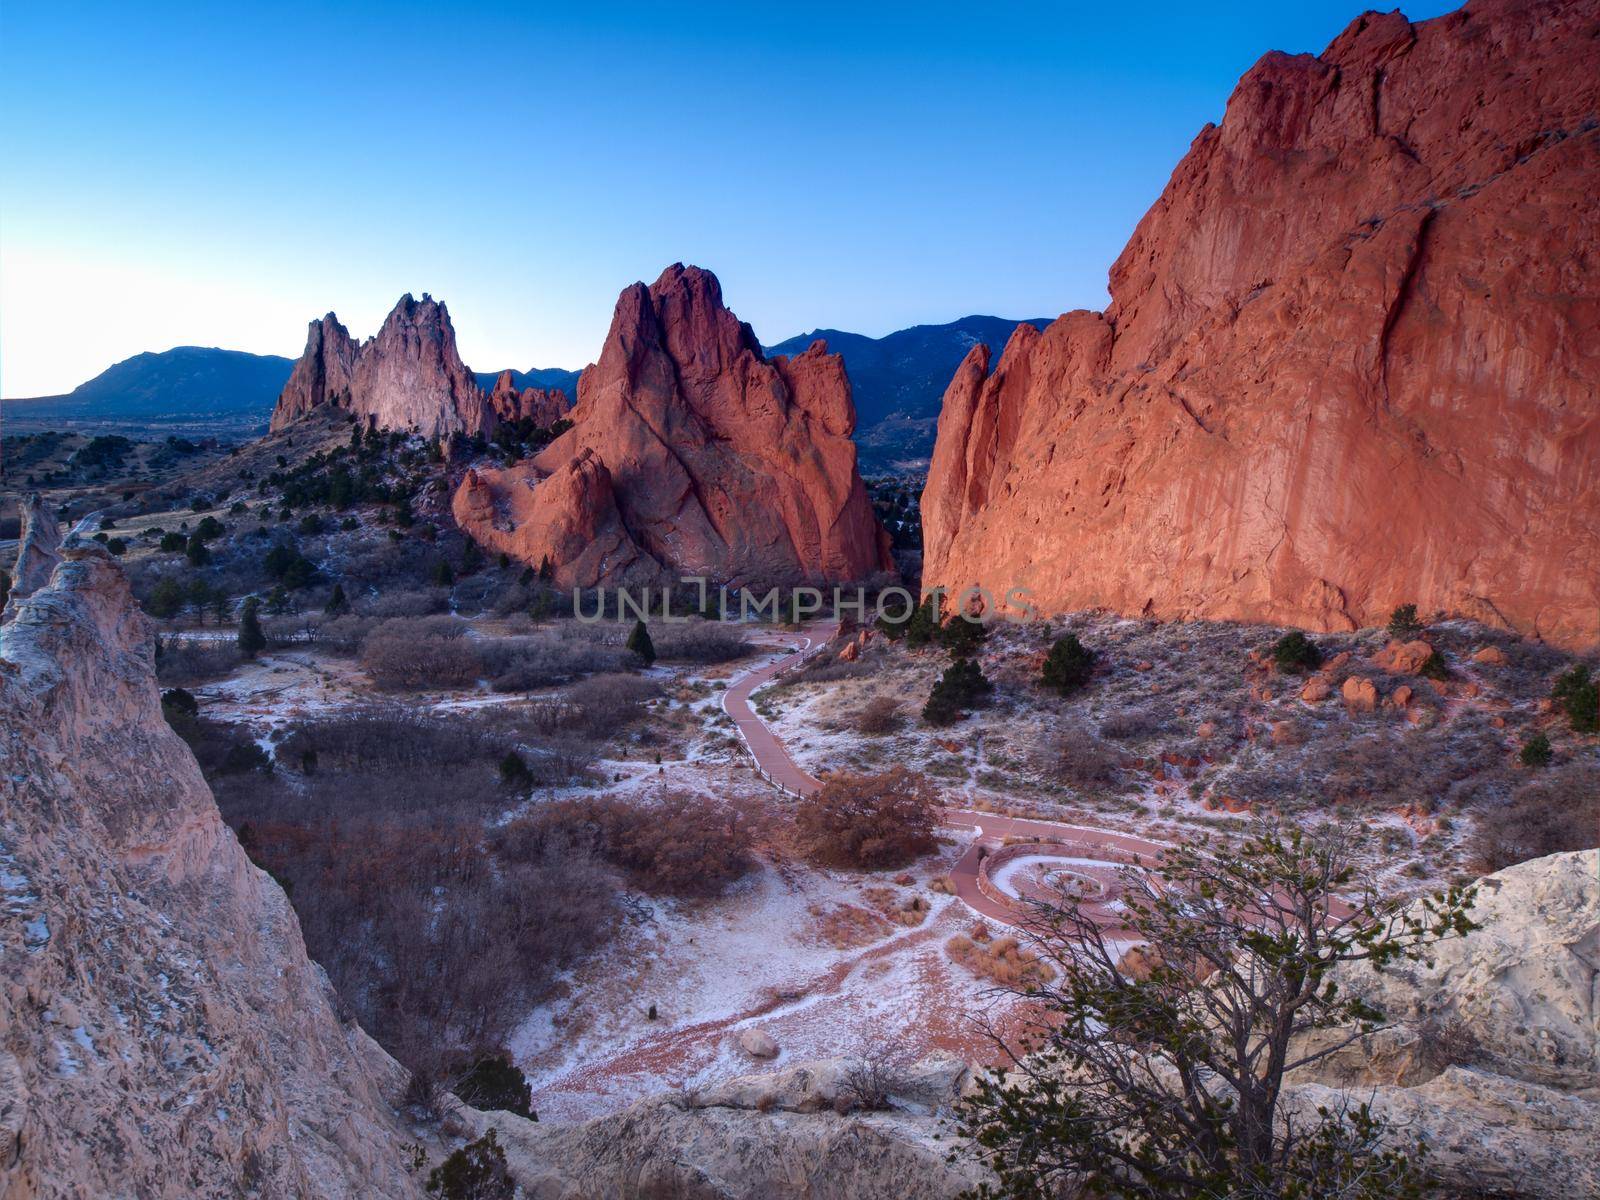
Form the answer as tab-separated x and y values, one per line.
1352	357
409	376
692	454
543	406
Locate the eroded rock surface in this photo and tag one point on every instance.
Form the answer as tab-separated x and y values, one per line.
408	376
542	406
38	551
1352	357
718	462
162	1032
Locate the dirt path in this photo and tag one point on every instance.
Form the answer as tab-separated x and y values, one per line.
992	829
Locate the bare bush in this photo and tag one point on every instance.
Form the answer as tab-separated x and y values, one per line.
603	704
1083	760
878	716
868	1084
419	603
522	663
184	662
1560	811
699	641
421	652
869	820
676	843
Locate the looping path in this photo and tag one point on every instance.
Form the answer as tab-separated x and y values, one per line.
1095	853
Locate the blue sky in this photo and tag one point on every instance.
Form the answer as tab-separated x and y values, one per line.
214	175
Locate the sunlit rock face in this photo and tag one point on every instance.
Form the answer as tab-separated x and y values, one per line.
691	454
1352	357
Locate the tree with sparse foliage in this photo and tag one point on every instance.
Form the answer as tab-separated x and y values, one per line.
1166	1083
1069	664
1404	625
1294	651
338	604
639	642
251	640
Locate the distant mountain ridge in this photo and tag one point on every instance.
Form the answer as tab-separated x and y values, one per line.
898	380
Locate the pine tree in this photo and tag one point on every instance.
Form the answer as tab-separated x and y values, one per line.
251	640
546	571
923	626
1068	665
338	605
639	642
443	576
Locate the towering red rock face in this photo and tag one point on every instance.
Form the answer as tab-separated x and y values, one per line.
1352	357
543	406
410	376
691	454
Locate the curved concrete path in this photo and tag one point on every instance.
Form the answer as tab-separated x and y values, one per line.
991	828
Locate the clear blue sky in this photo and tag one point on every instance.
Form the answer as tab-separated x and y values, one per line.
219	174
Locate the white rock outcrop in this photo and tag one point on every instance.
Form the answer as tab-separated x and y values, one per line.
162	1032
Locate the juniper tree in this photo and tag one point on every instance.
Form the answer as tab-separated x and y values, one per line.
1167	1082
1068	665
639	642
251	640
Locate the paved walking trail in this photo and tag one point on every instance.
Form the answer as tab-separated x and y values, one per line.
1097	845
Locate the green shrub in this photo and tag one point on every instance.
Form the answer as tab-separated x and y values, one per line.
495	1084
923	624
963	638
477	1171
1434	667
1294	651
1577	695
251	640
639	642
1069	664
1403	623
171	543
963	685
1536	751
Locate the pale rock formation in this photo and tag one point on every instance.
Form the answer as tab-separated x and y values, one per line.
542	406
409	376
719	462
162	1032
38	551
1349	362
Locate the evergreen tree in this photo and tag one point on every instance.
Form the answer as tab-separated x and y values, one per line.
1068	665
166	598
1403	623
338	605
443	576
251	640
923	625
639	642
1294	651
198	554
963	638
547	572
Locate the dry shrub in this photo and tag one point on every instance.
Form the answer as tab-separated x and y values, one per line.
846	926
675	843
870	821
896	906
420	652
1083	760
1002	960
878	716
942	885
184	662
1560	811
603	704
522	663
698	641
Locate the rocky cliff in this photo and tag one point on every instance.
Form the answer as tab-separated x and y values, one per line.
542	406
1352	357
162	1032
408	376
37	551
692	454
